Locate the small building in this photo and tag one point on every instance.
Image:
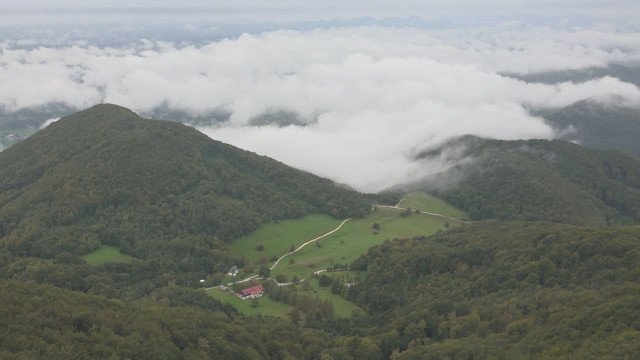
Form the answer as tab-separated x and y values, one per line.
233	271
252	292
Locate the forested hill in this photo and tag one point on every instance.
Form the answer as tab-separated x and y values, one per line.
106	175
543	180
506	290
44	322
598	125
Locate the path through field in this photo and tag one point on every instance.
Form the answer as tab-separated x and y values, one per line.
397	206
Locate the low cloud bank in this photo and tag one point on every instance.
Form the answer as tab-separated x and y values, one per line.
361	102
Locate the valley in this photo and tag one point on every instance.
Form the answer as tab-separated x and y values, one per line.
128	228
307	252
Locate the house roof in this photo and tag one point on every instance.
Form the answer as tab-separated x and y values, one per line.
254	290
233	268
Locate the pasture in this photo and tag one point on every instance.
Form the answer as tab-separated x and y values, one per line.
106	254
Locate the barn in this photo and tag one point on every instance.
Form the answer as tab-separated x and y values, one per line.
252	292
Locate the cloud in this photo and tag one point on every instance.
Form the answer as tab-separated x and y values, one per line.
48	122
369	98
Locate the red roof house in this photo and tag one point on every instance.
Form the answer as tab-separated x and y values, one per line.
252	292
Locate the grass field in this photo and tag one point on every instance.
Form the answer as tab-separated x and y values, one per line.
269	307
278	238
106	254
342	247
341	306
425	202
266	306
355	237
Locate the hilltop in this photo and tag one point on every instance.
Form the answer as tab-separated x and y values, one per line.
157	190
541	180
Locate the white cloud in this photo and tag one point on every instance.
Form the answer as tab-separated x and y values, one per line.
48	122
372	96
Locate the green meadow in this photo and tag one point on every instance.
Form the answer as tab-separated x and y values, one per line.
355	237
106	254
425	202
341	306
269	307
341	247
277	238
266	306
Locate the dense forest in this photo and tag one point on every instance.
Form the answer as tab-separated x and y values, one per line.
542	180
41	321
505	290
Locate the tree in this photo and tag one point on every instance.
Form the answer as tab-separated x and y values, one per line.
306	286
255	303
375	226
264	272
260	247
324	280
294	315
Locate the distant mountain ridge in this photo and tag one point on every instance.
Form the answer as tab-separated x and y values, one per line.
597	124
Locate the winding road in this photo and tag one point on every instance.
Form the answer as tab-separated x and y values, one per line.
309	242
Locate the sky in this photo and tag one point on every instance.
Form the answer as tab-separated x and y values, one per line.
351	100
38	12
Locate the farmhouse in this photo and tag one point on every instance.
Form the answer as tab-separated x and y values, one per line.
233	271
252	292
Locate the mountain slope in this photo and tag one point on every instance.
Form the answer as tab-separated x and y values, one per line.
43	322
158	190
597	125
506	290
538	180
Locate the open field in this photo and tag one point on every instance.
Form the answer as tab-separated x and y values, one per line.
355	237
425	202
277	238
341	306
269	307
106	254
342	247
266	306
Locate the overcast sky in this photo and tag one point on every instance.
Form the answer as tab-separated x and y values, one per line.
306	10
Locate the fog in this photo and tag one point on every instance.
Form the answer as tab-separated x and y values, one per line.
364	100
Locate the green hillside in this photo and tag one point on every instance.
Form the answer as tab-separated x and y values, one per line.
506	291
425	202
159	191
543	180
276	239
355	237
598	125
